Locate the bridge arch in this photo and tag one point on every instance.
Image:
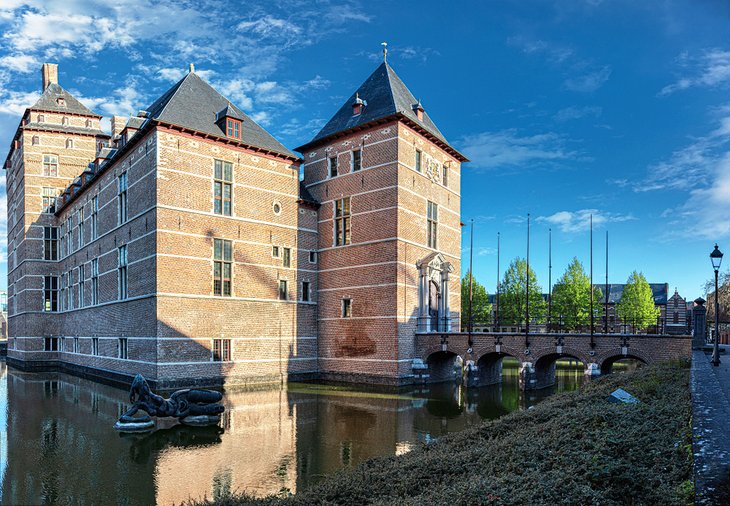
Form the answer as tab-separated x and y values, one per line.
444	366
546	363
606	363
489	367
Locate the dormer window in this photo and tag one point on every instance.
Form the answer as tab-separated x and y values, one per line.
357	105
233	128
418	108
229	120
61	102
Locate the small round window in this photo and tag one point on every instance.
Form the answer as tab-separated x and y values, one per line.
277	207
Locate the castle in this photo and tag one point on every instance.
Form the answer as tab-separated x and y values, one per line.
186	247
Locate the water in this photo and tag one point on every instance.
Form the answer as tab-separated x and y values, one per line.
57	444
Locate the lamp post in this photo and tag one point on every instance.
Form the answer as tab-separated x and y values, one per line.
716	257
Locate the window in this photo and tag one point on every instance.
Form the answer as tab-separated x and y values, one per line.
333	165
81	227
50	243
122	198
305	291
445	179
69	235
122	348
286	260
122	273
94	281
418	160
222	187
64	121
50	165
41	118
81	285
94	211
346	308
275	251
432	225
76	345
70	290
50	344
312	257
221	350
62	102
50	293
35	140
88	123
276	207
48	200
222	262
356	160
283	290
95	346
233	128
342	221
69	143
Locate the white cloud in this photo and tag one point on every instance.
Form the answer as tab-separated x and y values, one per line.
486	251
507	148
710	69
573	113
22	63
579	221
590	81
690	166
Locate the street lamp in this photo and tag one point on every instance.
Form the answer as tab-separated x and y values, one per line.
716	257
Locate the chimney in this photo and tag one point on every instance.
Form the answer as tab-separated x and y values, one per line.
50	74
118	123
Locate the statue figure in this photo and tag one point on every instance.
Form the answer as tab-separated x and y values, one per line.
190	406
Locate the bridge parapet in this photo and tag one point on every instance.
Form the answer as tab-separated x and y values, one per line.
538	352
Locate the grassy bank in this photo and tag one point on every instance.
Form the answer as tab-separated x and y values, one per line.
574	448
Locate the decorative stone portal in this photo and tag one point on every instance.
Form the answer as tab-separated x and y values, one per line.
434	312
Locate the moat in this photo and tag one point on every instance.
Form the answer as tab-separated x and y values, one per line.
57	444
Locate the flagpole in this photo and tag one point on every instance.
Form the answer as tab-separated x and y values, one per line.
496	314
527	289
605	324
550	278
593	344
471	282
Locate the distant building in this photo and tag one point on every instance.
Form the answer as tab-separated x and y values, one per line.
674	317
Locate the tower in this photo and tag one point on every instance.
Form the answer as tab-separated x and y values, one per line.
52	146
388	183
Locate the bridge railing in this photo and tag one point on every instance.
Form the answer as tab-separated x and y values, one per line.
561	325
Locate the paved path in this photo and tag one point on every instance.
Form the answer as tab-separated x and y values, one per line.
711	428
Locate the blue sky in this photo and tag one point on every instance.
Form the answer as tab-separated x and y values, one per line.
566	108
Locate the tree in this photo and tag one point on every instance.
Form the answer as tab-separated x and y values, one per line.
512	295
724	289
481	308
637	306
571	299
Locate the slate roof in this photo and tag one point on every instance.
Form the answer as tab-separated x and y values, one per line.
194	104
385	95
53	127
660	291
305	195
49	102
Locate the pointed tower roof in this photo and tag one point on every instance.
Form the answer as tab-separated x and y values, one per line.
194	104
50	102
386	97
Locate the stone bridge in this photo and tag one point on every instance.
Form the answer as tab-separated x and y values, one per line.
439	356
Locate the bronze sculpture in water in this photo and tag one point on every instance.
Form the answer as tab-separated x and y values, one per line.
190	406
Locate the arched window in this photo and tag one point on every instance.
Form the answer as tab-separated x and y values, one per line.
64	121
41	118
36	140
69	143
88	123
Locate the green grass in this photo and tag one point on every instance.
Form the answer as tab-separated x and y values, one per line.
573	448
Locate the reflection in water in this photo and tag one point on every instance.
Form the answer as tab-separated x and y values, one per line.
64	448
